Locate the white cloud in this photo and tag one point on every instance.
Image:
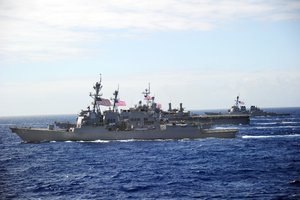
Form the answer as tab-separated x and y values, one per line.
37	30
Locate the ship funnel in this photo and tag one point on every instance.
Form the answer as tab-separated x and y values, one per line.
181	108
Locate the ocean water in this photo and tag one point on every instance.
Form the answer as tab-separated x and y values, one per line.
263	162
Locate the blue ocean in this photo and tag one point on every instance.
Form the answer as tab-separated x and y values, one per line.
263	162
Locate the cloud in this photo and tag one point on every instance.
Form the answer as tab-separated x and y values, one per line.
39	30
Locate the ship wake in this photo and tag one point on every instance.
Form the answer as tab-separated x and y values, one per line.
269	136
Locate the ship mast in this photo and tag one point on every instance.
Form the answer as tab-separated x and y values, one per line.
115	99
237	101
146	94
97	95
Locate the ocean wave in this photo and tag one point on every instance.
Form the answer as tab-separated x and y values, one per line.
269	136
275	127
94	141
277	123
7	124
224	127
132	140
298	122
267	123
98	141
264	119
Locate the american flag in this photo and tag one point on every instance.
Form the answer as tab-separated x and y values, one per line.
121	103
104	102
147	97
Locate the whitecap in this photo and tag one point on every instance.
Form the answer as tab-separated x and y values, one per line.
100	141
275	127
269	136
266	123
290	122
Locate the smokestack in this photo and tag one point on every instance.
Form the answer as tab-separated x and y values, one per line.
181	109
170	107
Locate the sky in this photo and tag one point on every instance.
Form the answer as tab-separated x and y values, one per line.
202	53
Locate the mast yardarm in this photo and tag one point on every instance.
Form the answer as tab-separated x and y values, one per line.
97	95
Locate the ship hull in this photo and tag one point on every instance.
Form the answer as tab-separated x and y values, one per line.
100	133
267	114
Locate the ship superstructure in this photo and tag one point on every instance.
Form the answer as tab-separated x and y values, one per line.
146	121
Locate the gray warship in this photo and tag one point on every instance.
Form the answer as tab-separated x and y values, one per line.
240	109
211	118
254	111
142	122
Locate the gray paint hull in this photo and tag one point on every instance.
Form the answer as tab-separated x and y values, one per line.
100	133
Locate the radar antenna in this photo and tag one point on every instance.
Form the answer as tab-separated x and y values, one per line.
146	94
237	101
97	95
115	99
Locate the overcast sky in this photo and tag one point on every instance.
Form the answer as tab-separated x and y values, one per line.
202	53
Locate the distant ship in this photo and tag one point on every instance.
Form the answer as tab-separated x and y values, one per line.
213	119
239	108
142	122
